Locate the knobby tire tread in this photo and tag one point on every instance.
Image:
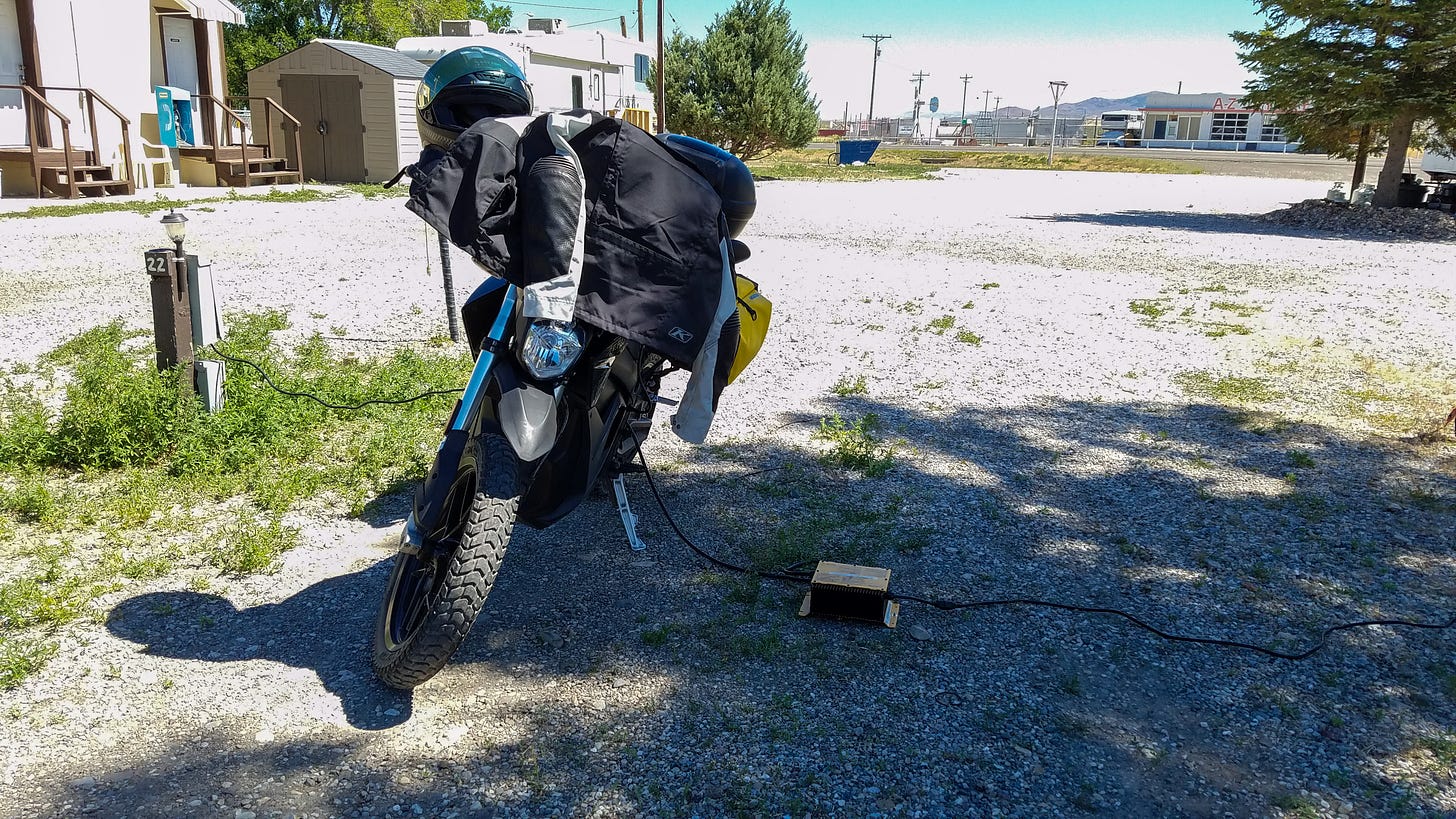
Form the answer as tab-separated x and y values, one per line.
471	572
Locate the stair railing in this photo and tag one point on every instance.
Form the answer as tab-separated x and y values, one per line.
91	99
285	119
229	116
37	106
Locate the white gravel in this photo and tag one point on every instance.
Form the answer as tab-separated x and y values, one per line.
1080	452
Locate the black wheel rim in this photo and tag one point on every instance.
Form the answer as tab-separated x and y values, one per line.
416	579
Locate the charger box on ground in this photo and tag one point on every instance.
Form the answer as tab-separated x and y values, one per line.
852	592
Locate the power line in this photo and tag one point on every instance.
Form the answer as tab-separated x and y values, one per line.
550	6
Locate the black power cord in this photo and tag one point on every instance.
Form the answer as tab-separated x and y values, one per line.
321	401
793	575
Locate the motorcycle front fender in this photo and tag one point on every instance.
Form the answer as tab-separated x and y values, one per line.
526	413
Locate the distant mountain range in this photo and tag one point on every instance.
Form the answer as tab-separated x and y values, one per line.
1082	108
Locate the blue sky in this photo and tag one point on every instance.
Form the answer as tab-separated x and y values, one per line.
1108	48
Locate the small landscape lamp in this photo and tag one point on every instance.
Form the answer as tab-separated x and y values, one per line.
176	225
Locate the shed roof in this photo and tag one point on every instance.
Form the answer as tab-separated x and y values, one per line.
387	60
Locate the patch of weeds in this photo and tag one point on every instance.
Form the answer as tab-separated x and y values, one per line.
657	637
1219	329
989	285
1151	309
1301	806
744	591
31	501
19	658
968	337
1428	500
1240	310
1261	573
941	324
1338	778
1300	459
855	445
148	206
910	308
146	568
1442	748
874	327
250	547
1227	389
371	190
969	305
847	386
1071	685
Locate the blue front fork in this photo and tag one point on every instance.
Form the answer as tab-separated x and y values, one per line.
486	360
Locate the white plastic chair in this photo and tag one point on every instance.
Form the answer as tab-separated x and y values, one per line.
148	163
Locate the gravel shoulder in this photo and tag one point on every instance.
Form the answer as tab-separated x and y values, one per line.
1225	425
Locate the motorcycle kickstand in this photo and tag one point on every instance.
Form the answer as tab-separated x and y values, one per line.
629	520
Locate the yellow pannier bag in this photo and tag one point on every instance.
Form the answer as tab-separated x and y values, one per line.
754	311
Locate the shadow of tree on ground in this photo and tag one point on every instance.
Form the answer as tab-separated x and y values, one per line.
600	680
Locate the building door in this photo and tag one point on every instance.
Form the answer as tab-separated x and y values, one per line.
12	112
332	134
179	52
1160	129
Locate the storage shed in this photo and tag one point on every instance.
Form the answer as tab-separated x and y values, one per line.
355	104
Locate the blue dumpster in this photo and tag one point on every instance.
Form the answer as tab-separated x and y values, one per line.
856	150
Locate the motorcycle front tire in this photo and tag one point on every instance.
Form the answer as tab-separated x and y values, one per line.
433	599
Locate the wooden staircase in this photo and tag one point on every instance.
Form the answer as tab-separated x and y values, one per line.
244	166
237	160
67	170
82	179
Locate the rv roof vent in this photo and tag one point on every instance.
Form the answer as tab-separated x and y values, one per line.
463	28
550	25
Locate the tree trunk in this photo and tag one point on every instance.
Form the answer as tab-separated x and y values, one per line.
1387	187
1362	154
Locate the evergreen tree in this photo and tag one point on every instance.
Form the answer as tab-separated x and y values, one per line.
743	85
276	27
1380	73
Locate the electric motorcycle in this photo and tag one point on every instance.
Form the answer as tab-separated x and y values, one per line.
550	411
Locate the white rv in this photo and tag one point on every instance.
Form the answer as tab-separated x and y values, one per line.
1442	168
566	69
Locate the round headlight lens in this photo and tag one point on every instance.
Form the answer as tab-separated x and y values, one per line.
551	348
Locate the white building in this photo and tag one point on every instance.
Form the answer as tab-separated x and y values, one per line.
566	69
1210	122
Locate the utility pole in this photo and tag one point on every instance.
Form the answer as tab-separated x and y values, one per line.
640	38
661	91
874	69
965	83
1180	86
1057	86
919	79
987	105
995	121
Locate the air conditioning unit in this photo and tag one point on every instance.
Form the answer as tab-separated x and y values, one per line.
549	25
463	28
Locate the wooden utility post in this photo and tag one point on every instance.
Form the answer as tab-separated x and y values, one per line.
171	309
640	37
661	91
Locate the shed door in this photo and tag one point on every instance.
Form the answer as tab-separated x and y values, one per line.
12	116
327	108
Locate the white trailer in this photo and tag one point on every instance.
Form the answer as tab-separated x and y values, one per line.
1441	168
566	69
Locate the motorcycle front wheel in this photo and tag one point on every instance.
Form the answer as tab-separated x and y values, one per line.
434	597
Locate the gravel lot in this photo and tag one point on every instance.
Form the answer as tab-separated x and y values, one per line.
1225	425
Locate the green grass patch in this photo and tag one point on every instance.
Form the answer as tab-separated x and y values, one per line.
891	163
941	324
847	386
1152	309
93	437
19	658
1240	310
855	444
149	206
968	337
372	190
1220	329
1226	389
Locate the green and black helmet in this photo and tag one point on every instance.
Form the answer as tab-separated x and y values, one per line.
466	86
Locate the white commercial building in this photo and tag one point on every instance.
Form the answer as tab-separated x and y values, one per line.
1210	122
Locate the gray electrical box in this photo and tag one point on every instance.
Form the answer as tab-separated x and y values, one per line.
210	376
206	315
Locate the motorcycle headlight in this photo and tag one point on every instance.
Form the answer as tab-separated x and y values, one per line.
551	348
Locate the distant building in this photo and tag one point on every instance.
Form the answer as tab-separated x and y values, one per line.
1210	122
